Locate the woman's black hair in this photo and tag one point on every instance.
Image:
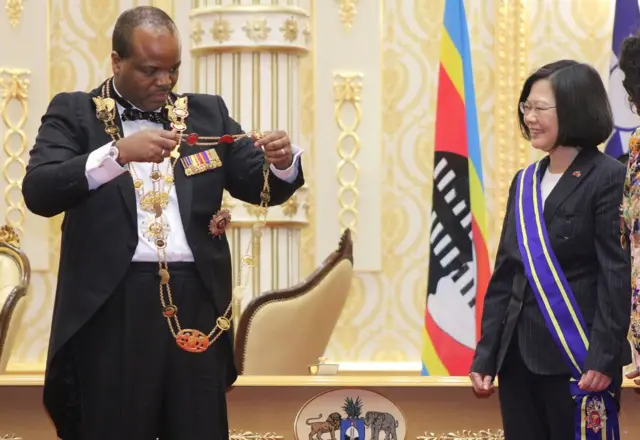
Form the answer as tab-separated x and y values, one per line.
582	105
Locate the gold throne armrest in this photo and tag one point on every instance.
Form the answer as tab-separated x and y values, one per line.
283	332
15	276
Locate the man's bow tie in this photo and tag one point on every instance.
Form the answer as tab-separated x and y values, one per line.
132	114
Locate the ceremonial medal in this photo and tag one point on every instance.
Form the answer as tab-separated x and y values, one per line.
170	311
149	201
105	110
193	341
219	223
596	414
200	162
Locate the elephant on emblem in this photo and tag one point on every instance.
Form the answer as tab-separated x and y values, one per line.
381	421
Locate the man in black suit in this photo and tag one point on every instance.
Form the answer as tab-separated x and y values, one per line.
564	112
140	347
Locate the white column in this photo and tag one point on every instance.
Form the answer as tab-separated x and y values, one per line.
247	52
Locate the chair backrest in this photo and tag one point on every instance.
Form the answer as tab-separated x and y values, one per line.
283	332
15	277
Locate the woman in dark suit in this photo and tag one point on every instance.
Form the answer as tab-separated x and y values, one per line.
556	311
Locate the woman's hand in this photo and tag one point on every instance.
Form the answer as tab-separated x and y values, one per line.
594	381
482	384
635	375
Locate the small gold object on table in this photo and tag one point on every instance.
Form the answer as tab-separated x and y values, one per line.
323	369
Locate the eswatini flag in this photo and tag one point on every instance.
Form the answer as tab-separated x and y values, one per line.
459	262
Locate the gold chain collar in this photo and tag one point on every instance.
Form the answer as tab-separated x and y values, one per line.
155	201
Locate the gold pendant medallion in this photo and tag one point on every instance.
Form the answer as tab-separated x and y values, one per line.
149	201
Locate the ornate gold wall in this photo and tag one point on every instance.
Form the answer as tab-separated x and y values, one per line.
392	77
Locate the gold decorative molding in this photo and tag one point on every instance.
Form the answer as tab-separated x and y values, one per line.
221	30
308	33
248	10
290	207
196	32
257	29
248	435
306	90
248	28
290	30
348	12
227	201
8	235
465	435
14	11
14	87
347	89
10	437
511	36
253	210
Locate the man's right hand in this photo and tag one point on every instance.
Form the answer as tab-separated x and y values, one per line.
482	384
146	146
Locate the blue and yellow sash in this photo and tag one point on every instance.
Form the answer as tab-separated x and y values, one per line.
596	413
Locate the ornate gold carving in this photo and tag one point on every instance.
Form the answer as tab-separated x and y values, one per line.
252	209
14	86
307	32
465	435
14	11
257	29
511	67
197	32
348	12
306	91
10	437
221	30
290	30
227	201
347	89
248	435
290	207
8	235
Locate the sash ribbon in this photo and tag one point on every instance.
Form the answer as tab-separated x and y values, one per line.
596	416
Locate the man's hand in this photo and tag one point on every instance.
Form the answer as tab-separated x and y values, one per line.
482	384
146	146
277	149
594	381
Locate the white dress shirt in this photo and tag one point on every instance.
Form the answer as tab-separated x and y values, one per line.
548	183
101	168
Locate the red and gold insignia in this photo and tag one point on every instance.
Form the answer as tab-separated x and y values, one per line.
195	140
576	174
595	414
219	222
193	341
226	139
192	139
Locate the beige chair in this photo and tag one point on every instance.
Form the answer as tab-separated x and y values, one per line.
283	332
15	276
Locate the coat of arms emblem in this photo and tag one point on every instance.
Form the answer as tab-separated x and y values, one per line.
349	414
596	414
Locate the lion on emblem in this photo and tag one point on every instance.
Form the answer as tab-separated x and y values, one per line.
330	425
